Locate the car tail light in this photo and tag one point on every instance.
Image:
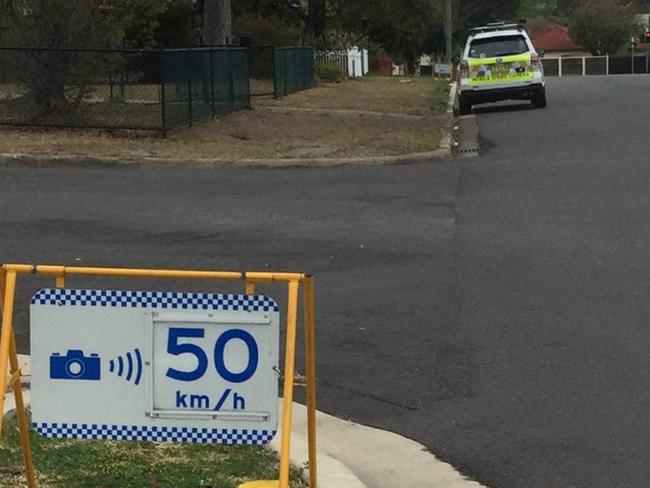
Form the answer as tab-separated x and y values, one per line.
536	62
464	70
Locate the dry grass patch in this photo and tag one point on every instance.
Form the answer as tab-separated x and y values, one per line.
264	134
415	96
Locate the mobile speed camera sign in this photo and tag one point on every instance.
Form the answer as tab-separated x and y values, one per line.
154	366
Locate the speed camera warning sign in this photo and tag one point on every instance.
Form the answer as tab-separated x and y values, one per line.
155	366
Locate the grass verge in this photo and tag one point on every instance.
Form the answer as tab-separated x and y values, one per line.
412	96
104	464
264	133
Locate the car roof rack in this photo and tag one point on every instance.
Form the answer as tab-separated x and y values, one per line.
497	26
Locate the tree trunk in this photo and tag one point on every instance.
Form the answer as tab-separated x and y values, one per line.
217	22
316	21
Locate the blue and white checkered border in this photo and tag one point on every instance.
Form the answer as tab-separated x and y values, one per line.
247	437
154	299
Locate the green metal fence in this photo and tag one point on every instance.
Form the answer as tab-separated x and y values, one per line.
199	83
293	69
141	89
261	61
120	89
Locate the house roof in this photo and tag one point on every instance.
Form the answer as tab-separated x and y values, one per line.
555	38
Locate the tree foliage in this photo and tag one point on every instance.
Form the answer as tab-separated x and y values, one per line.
143	20
536	8
403	29
603	26
57	80
472	14
67	23
179	25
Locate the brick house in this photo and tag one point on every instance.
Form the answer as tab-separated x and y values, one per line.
557	43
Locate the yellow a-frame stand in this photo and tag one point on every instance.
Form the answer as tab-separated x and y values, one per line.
10	374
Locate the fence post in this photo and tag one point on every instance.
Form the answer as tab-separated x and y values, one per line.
275	75
189	96
303	66
295	68
163	95
249	105
559	67
231	81
584	66
122	83
213	106
607	65
286	75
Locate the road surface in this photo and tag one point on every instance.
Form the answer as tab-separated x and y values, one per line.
495	309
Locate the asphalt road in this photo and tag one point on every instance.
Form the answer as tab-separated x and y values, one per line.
495	309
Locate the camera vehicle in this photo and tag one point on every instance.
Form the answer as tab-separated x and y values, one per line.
498	63
75	366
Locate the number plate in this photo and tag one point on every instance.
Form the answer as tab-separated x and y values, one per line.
500	70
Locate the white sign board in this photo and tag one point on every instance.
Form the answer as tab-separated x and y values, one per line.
442	69
155	366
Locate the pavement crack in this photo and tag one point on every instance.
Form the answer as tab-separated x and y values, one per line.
371	396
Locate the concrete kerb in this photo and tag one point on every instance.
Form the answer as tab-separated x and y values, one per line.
349	455
76	161
377	458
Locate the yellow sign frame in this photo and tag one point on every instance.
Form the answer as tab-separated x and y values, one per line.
10	374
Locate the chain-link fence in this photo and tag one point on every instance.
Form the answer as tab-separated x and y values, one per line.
261	60
142	89
199	83
120	89
293	69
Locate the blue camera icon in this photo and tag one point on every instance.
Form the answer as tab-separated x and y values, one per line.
75	366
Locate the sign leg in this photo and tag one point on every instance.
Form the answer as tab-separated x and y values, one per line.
310	343
289	370
5	336
21	414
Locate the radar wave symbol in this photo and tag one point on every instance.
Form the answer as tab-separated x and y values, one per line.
128	366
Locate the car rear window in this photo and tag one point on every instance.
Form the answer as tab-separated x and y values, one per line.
498	46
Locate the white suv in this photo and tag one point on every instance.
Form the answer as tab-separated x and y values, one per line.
500	63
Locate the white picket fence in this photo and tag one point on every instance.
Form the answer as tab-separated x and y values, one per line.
353	62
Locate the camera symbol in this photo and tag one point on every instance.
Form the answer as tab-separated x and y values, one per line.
75	366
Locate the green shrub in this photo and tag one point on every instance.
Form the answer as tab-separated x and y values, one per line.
329	73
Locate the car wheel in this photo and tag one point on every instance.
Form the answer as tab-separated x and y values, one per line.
539	100
464	107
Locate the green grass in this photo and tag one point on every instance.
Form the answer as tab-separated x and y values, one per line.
100	464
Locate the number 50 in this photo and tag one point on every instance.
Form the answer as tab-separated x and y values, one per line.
176	348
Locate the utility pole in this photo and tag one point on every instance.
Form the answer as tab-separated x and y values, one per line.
448	31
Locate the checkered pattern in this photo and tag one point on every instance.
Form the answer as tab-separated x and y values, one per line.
152	299
155	434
